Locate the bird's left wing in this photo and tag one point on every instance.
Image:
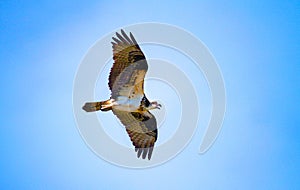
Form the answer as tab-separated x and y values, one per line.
142	130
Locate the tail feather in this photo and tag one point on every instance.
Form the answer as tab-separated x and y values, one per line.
95	106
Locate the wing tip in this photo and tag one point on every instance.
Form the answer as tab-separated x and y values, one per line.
116	40
122	37
144	152
140	150
122	31
133	39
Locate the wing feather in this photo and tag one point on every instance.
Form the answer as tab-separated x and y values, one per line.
132	38
117	41
127	38
142	130
122	39
129	68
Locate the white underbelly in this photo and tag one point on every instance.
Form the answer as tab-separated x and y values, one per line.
128	104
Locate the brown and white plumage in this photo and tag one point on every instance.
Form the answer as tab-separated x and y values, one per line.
141	129
128	101
130	65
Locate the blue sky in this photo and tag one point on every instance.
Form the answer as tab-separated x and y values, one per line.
256	44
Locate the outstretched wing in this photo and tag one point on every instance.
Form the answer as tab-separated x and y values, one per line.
129	69
142	130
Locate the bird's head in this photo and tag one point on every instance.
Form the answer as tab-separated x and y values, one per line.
154	105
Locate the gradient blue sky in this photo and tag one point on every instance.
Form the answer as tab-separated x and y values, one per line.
256	44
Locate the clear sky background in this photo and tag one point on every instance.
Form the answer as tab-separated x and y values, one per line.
256	44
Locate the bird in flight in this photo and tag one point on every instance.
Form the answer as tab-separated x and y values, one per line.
128	100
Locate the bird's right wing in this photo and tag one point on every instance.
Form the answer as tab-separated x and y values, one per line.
129	69
142	130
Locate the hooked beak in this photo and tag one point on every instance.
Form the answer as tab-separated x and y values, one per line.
158	106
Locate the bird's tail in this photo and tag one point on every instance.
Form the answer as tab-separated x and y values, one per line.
95	106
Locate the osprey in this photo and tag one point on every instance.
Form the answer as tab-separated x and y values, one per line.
128	100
